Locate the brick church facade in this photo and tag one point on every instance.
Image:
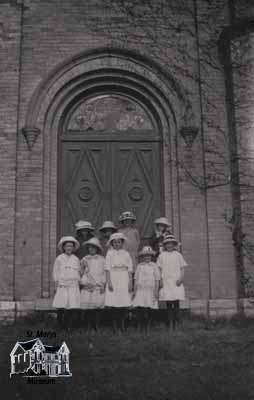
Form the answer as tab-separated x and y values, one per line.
114	105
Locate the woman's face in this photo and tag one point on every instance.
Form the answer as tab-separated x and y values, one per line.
108	232
117	244
84	233
170	246
68	248
127	222
161	228
92	250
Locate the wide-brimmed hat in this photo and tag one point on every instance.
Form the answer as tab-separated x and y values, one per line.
170	238
127	215
93	242
117	236
108	225
162	221
65	239
84	225
147	250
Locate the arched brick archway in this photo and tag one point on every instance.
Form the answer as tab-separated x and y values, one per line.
90	74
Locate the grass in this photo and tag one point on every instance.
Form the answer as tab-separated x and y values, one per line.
198	361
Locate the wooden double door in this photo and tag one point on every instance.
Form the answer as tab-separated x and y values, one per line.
102	176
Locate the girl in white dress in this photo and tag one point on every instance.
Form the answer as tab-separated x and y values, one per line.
171	264
118	269
146	287
93	281
66	275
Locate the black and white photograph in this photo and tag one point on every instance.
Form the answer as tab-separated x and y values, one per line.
127	199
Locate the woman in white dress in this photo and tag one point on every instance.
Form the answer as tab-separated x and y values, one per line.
118	269
146	287
93	281
171	264
66	275
131	233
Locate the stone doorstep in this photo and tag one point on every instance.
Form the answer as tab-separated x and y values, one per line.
192	304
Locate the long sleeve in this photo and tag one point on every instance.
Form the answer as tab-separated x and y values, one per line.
108	261
129	263
56	269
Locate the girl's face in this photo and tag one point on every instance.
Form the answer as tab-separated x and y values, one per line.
108	232
68	248
92	250
117	244
128	222
161	228
147	258
170	246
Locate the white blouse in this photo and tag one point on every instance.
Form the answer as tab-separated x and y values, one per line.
66	269
118	259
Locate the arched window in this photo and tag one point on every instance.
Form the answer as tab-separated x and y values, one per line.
109	112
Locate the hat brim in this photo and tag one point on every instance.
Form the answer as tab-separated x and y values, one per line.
107	227
88	228
75	243
146	254
170	241
86	244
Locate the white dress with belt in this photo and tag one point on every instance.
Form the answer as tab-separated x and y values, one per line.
119	264
66	273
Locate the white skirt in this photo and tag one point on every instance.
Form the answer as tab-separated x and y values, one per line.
67	297
91	299
145	298
171	292
120	296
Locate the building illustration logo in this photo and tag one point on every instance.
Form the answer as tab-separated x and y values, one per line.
34	359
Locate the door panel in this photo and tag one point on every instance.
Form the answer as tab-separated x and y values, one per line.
99	180
85	182
136	182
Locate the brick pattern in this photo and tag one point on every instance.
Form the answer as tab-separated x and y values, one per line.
54	31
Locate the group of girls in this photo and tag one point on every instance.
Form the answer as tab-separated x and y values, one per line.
111	272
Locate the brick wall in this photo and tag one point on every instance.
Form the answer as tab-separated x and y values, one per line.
9	89
54	31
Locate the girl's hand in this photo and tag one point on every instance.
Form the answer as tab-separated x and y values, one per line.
110	286
179	282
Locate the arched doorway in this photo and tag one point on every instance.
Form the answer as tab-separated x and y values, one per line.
110	161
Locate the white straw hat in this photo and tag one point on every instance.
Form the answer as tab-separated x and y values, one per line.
162	221
108	225
65	239
84	225
116	236
94	242
170	238
127	215
147	250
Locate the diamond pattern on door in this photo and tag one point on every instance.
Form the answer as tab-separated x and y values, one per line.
85	184
101	179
